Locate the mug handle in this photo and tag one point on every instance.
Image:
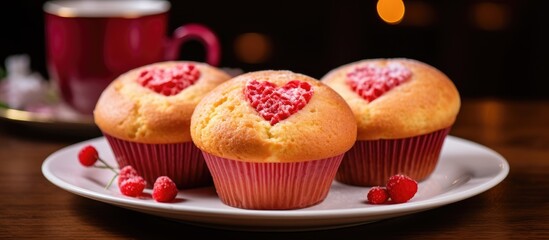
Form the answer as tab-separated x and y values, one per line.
198	32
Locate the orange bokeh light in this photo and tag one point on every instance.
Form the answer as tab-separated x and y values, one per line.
491	16
253	47
391	11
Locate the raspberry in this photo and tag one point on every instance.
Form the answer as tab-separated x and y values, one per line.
401	188
169	81
88	156
377	195
278	103
371	81
133	187
164	189
126	173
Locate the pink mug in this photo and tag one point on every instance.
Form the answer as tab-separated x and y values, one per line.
91	42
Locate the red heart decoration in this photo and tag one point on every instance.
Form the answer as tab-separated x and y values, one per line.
275	103
371	81
169	81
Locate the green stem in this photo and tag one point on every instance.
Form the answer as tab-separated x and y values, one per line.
107	166
111	181
102	167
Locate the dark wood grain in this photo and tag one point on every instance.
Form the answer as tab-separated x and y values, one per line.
30	206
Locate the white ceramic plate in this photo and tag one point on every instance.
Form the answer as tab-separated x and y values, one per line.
465	170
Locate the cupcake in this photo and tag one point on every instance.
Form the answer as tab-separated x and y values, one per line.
404	110
145	116
273	139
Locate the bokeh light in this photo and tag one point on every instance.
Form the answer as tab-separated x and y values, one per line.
253	48
419	13
390	11
490	16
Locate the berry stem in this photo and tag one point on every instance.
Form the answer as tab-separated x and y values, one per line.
111	181
107	166
102	167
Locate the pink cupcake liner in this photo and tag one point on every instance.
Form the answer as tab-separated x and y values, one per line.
181	162
272	186
371	163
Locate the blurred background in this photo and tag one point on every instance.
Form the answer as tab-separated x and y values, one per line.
490	49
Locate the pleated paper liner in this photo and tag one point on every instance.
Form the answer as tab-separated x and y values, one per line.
371	163
181	162
272	186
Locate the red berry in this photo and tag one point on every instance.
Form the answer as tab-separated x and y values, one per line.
377	195
171	80
126	173
133	187
401	188
371	81
164	189
274	103
88	156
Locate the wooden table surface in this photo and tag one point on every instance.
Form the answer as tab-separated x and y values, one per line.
518	207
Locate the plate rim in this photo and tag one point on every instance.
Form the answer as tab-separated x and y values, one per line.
18	115
408	207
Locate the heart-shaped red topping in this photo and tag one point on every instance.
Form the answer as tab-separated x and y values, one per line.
169	81
371	81
274	103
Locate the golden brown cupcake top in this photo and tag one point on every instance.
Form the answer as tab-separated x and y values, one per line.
154	103
396	98
273	116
